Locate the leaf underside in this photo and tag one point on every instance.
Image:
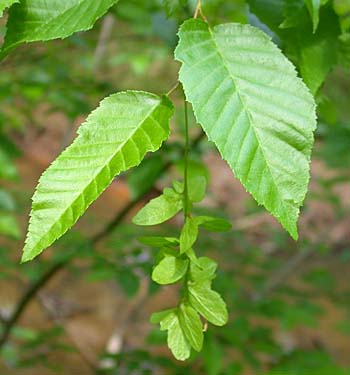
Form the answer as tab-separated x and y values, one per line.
35	20
114	138
250	102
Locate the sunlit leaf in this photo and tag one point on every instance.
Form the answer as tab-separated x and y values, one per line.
159	209
250	102
115	137
169	270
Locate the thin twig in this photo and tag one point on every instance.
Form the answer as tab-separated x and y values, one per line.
175	86
105	33
198	7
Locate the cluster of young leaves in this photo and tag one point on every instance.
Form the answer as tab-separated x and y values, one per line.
176	261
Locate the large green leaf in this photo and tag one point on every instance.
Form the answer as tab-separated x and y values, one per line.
250	102
6	4
114	138
35	20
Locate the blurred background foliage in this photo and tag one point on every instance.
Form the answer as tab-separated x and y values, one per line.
289	302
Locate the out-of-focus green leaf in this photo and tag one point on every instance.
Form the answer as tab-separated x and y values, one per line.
9	226
6	4
318	52
36	20
7	203
8	170
142	178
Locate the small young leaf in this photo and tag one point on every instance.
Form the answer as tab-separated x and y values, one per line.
192	326
6	4
241	87
36	20
157	317
313	7
208	303
214	224
197	186
115	137
159	209
159	241
202	270
169	270
189	234
177	341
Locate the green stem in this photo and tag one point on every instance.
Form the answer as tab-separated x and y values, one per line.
187	209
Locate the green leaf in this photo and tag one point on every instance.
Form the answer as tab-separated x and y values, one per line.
8	170
157	317
172	6
208	303
115	137
197	186
317	53
36	20
177	341
313	7
192	326
250	102
344	50
159	209
6	4
202	270
159	241
169	270
9	226
7	203
214	224
189	234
